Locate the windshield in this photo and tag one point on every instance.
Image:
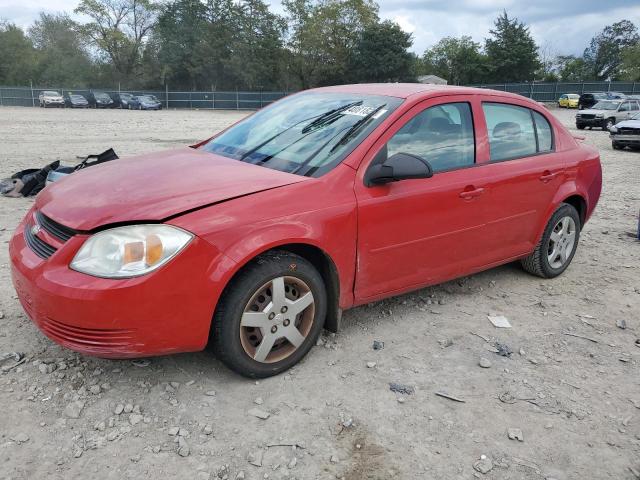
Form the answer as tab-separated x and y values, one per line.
77	97
573	96
636	116
306	134
51	94
606	105
148	98
102	96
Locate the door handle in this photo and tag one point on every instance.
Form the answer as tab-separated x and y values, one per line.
471	192
547	176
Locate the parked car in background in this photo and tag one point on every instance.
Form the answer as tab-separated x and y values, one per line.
372	191
100	100
73	100
588	100
145	102
50	98
122	100
616	95
568	100
606	113
626	133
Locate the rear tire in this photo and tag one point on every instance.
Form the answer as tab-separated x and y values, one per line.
580	127
616	146
556	249
256	297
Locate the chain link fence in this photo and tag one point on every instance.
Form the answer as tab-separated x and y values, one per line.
235	100
550	92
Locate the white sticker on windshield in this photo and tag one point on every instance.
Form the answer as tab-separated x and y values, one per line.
363	111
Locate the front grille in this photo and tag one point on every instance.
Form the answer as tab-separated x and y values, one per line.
52	227
587	116
88	338
629	131
40	248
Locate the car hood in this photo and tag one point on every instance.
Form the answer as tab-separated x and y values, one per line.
153	187
629	124
592	111
51	97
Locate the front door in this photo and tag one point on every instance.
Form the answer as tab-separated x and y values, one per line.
416	232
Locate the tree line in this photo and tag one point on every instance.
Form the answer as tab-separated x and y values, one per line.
229	44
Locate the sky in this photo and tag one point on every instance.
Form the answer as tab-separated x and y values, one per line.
559	26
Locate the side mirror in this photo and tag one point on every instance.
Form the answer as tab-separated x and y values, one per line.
400	166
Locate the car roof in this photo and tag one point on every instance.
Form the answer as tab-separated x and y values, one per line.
406	90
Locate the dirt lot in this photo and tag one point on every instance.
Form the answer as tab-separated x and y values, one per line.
576	401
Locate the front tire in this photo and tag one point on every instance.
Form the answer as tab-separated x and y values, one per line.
558	244
270	315
616	146
607	124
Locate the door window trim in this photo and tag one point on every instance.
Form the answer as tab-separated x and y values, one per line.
473	127
535	130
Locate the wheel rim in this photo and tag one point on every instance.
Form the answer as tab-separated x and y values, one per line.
609	124
277	319
561	242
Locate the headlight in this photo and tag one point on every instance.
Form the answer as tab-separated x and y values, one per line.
130	251
599	115
613	129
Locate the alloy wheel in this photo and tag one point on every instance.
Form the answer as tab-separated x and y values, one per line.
562	241
277	319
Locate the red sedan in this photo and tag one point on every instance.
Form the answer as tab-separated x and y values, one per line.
259	237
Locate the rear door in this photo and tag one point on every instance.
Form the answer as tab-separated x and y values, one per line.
523	174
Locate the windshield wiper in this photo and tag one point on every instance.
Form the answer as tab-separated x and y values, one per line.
330	115
356	126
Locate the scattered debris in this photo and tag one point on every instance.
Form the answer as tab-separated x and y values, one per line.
183	447
499	321
141	362
210	393
580	336
371	364
503	350
401	388
261	414
17	356
258	401
484	362
482	337
515	434
378	345
621	323
450	397
74	409
255	458
484	465
20	438
445	343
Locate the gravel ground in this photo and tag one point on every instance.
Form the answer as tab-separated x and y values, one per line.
571	404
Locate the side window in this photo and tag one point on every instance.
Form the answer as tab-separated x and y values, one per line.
442	135
516	132
634	106
543	128
624	107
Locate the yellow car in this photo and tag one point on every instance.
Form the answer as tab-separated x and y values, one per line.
568	100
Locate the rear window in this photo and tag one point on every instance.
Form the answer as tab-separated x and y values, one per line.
516	132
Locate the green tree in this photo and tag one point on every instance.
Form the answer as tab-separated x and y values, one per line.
630	67
572	68
604	54
118	29
458	60
323	33
257	58
381	54
62	58
512	54
17	55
